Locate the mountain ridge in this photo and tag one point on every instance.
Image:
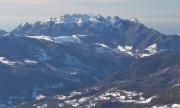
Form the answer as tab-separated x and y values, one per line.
79	21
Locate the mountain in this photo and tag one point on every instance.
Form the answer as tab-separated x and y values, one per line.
21	29
150	83
2	32
69	25
33	67
72	52
131	35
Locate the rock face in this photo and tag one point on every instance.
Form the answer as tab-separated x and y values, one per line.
76	51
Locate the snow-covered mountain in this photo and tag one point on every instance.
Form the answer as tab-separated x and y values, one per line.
121	33
69	25
76	51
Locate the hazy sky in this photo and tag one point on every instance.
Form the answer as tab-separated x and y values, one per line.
162	15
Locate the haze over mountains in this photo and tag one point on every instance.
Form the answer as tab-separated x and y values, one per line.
122	63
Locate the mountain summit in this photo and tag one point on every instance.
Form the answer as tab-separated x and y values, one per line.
85	24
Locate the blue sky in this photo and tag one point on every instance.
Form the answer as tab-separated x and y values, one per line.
162	15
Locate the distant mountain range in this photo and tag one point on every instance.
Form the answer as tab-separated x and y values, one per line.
96	61
2	32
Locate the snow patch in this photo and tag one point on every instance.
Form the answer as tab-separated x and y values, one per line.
47	38
74	73
39	97
73	103
102	45
134	20
124	96
176	85
30	61
102	48
84	99
175	106
74	93
67	39
6	61
167	106
163	106
126	49
42	106
147	100
91	105
61	97
25	24
151	50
